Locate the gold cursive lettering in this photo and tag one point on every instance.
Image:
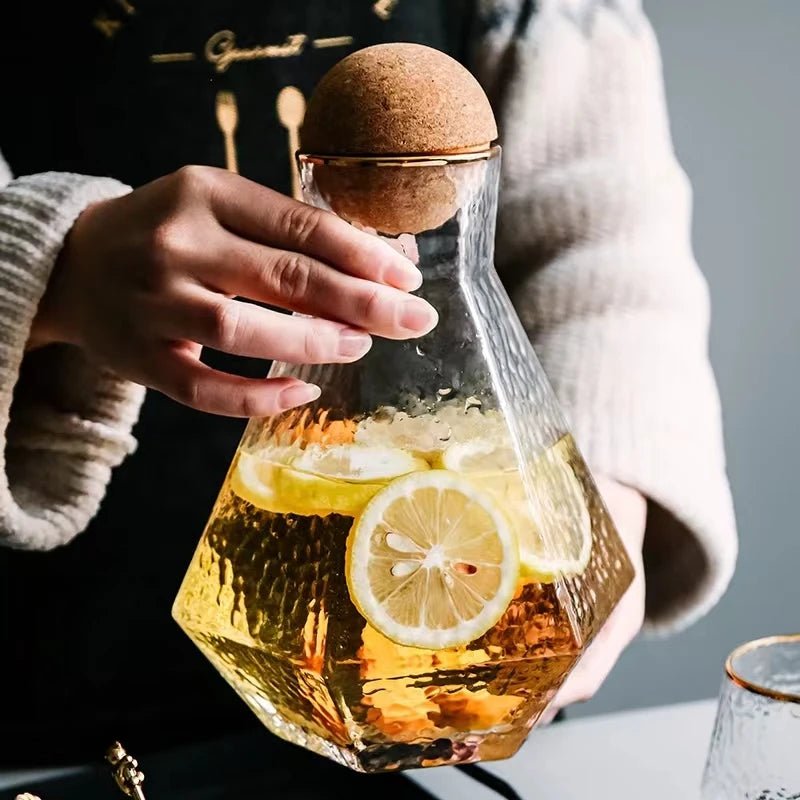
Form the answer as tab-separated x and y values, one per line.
221	49
127	7
107	26
384	8
332	41
169	58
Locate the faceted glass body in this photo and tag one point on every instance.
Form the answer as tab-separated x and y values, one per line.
403	573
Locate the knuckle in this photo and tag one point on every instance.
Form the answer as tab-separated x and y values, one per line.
291	275
165	237
224	324
369	305
187	390
193	179
300	222
166	247
356	247
315	347
248	404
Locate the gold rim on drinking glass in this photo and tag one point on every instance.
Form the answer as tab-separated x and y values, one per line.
757	688
432	160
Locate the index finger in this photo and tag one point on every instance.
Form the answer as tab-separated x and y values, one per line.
264	216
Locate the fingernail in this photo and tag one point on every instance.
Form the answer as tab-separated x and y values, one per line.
417	316
404	275
354	343
298	394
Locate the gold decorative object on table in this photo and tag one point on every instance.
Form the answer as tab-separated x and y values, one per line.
127	774
403	573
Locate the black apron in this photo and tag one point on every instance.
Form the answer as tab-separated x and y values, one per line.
128	88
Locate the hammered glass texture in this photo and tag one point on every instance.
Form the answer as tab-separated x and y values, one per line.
755	747
266	599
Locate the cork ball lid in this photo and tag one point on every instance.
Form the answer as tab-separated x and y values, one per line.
397	99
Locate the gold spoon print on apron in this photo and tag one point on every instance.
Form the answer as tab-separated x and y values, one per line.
291	107
228	119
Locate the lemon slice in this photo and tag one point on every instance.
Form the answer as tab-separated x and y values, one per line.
357	463
480	455
432	562
553	526
254	479
319	480
341	479
313	495
489	464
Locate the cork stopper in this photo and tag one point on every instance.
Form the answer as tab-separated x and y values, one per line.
395	100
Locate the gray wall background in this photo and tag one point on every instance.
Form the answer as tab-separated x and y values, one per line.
732	69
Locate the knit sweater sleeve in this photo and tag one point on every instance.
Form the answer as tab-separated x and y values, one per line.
66	423
594	246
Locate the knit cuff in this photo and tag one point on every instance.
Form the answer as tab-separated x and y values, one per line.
67	422
644	410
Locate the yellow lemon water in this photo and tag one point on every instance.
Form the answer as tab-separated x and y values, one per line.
400	601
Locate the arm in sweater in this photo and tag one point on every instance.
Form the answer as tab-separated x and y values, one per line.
594	246
65	422
133	290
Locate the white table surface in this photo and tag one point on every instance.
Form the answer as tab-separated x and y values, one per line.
653	753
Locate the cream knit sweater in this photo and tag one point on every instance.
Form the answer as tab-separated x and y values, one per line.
594	245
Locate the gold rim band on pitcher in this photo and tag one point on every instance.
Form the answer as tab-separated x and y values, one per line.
432	160
752	686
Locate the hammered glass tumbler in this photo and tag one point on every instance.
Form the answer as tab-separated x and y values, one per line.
755	747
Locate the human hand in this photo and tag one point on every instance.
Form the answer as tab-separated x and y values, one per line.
146	280
628	509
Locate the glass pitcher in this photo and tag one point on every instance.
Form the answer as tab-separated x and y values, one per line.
403	573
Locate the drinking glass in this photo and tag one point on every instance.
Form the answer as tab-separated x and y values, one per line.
755	748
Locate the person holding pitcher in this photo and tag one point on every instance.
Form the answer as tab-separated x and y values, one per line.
169	271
